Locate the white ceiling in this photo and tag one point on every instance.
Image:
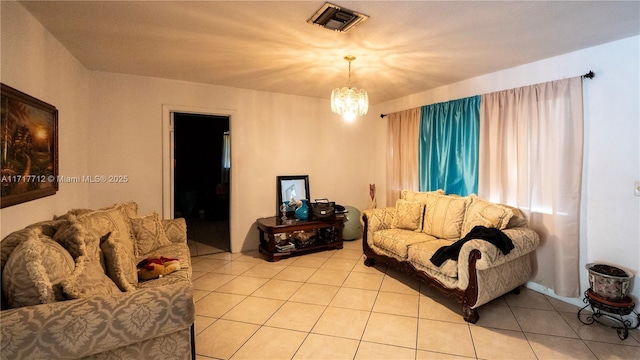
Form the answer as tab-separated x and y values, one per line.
405	47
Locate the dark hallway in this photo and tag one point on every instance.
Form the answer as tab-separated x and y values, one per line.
202	171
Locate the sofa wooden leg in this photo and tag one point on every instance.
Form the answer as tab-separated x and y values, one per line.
369	261
516	291
470	315
193	341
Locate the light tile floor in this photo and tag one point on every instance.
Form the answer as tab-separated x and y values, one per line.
207	236
329	305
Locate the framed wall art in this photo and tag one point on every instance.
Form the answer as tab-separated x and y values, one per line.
29	147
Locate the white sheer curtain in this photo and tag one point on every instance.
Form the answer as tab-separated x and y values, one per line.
402	153
531	144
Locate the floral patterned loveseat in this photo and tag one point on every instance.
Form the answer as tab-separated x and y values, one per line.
70	288
466	247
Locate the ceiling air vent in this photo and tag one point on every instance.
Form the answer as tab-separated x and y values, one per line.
333	17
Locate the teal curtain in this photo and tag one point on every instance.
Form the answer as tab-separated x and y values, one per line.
448	146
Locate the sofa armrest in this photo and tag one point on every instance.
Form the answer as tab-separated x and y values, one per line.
524	241
486	256
175	229
377	219
77	328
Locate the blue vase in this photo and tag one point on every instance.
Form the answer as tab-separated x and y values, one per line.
302	212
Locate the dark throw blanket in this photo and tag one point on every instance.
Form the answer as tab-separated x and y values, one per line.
492	235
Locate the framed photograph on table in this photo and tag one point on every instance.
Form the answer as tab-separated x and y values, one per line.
291	186
28	147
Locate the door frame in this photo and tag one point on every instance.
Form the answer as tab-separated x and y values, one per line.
168	142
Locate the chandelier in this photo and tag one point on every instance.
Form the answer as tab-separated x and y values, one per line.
347	101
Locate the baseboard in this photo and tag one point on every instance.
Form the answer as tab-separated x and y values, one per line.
546	291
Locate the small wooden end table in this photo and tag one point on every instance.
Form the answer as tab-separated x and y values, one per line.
277	236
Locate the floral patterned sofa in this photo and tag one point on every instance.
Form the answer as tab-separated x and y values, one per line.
464	236
70	288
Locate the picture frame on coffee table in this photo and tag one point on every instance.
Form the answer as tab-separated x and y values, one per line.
291	186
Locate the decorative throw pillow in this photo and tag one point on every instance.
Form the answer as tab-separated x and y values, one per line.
408	215
72	212
120	262
419	196
11	241
33	273
74	237
518	219
130	209
48	227
444	215
114	221
175	229
88	279
484	213
148	233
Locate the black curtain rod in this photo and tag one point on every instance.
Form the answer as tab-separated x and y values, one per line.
589	75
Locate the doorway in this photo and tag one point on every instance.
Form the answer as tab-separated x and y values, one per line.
202	170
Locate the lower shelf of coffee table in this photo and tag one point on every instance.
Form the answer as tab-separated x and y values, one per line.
315	235
275	256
